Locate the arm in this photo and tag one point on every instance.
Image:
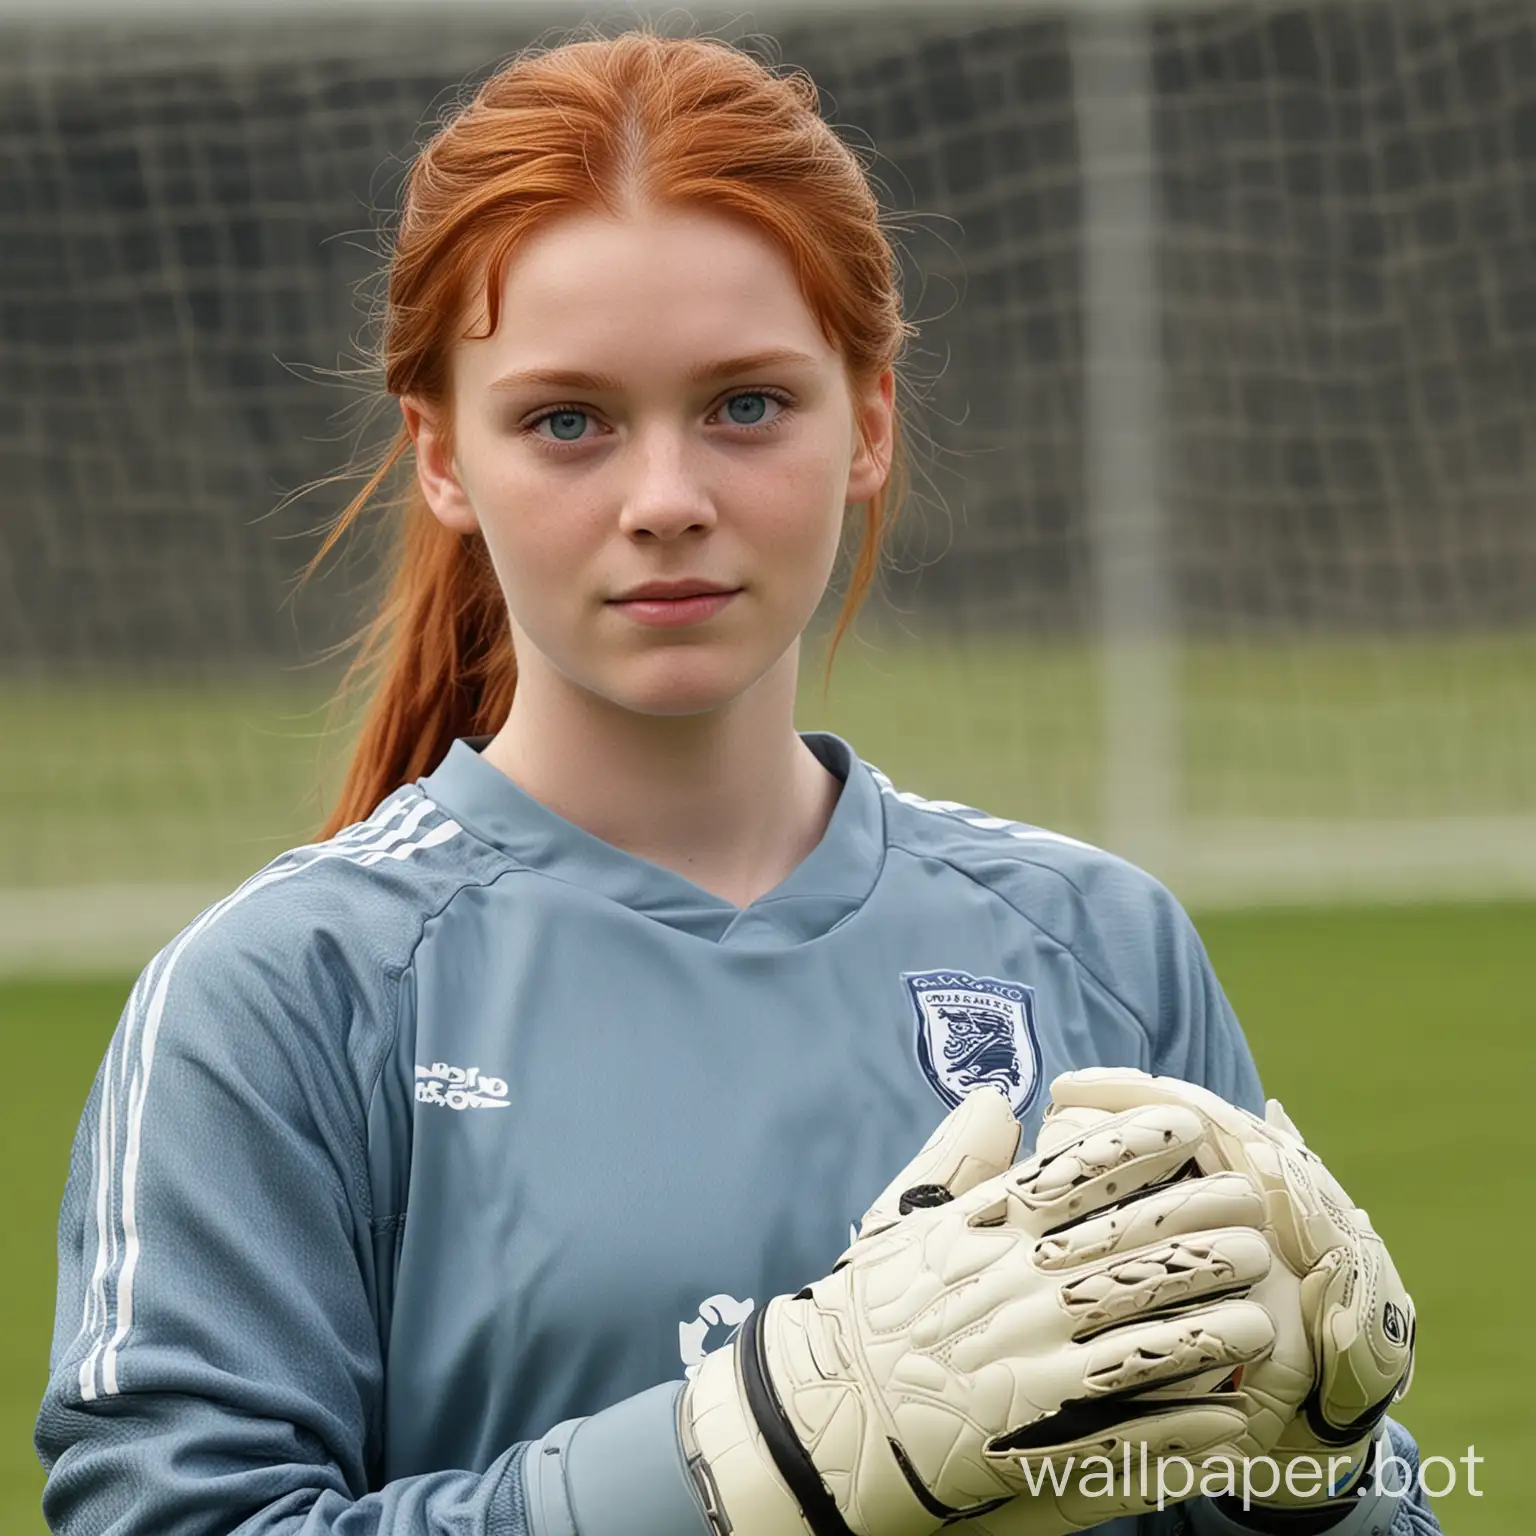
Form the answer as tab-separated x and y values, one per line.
1196	1034
217	1360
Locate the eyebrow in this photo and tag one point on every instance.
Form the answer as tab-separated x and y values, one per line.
576	378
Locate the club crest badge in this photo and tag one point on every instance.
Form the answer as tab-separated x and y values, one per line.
973	1030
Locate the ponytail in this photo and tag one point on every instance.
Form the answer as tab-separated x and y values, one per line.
437	657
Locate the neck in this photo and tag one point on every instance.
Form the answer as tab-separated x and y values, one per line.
732	799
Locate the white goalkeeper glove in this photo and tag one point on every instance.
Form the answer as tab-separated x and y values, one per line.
1358	1326
974	1329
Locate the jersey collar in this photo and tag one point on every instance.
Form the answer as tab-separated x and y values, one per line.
825	888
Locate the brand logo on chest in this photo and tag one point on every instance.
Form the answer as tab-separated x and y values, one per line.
973	1030
459	1087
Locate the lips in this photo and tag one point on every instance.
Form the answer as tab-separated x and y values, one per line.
666	591
669	605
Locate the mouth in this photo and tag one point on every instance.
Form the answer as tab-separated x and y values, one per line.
677	587
679	603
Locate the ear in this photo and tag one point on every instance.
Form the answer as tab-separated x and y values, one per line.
874	419
435	469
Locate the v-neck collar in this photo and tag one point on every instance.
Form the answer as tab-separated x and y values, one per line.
826	887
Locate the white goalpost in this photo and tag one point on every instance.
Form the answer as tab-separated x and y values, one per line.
1134	603
1133	556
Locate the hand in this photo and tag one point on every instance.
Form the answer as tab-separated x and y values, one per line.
1357	1318
976	1328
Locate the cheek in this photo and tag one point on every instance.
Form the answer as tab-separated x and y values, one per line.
798	511
541	563
538	539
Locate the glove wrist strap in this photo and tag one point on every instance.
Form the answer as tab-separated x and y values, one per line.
737	1486
789	1455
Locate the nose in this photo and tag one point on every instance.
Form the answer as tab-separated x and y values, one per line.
664	496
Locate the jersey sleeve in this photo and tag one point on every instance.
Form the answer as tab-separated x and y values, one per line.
217	1360
1198	1037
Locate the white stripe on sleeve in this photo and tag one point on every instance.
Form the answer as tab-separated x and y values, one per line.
365	843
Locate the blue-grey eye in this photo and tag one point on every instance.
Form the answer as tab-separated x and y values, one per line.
753	420
578	418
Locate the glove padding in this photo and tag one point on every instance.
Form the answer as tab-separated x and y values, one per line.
1357	1317
972	1328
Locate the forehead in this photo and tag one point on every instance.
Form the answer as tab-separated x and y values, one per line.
658	288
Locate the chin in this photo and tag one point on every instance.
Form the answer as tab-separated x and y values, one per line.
694	687
676	702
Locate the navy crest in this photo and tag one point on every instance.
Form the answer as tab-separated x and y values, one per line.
973	1030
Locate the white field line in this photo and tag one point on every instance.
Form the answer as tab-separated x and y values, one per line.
115	928
1235	863
74	930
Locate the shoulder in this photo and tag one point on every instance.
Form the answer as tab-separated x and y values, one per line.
315	942
362	895
1120	924
1059	880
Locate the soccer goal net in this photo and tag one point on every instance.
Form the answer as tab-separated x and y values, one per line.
1223	552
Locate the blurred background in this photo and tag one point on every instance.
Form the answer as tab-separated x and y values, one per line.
1222	552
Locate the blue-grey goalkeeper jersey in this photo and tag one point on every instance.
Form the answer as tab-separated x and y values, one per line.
422	1169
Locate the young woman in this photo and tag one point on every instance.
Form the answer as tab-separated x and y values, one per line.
429	1176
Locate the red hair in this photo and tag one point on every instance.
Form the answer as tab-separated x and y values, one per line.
601	125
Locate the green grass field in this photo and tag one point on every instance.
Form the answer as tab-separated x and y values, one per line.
1403	1041
117	782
